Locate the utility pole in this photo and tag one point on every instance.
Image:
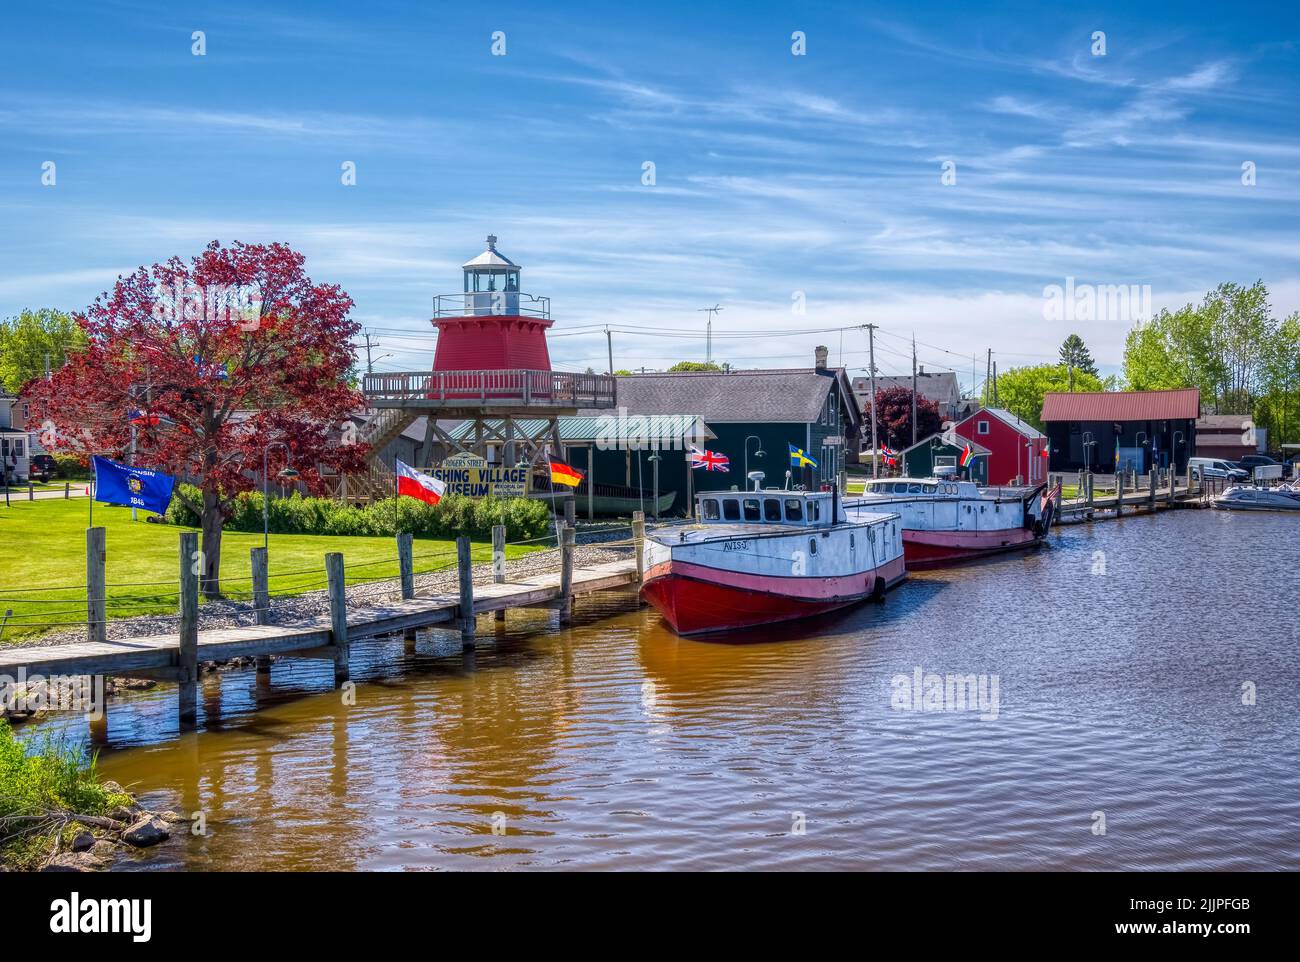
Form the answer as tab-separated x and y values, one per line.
988	377
609	341
913	388
995	383
871	349
370	365
708	331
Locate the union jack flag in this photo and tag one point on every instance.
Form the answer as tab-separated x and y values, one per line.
708	460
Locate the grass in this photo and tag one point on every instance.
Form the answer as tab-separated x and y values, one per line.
42	783
44	553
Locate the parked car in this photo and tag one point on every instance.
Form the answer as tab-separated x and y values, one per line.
1252	461
1216	468
42	467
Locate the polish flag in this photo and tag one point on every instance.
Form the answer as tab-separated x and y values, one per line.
413	484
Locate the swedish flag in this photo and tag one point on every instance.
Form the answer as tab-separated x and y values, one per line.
798	459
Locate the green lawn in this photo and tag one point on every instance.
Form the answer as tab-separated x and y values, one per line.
43	553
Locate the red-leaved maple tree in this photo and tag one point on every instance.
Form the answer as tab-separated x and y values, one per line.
214	361
894	417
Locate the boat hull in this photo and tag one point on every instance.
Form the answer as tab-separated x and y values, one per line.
695	599
937	549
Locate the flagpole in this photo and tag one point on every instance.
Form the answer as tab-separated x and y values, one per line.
396	523
91	491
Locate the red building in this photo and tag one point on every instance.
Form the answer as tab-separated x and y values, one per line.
1016	447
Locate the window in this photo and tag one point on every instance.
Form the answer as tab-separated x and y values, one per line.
771	509
731	509
814	511
913	489
931	488
18	447
981	427
751	509
900	488
793	509
812	545
710	509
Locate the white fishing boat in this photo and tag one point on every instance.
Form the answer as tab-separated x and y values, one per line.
1285	497
762	556
947	521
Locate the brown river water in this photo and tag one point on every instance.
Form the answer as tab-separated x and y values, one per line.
1119	654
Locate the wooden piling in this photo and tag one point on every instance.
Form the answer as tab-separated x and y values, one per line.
566	574
96	555
67	490
499	562
1089	480
1151	485
261	599
465	571
570	509
1119	493
31	491
187	657
638	544
406	577
338	615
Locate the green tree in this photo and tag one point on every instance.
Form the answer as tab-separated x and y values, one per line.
694	366
1021	389
1075	352
31	339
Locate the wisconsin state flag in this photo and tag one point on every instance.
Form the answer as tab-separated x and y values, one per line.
413	484
561	473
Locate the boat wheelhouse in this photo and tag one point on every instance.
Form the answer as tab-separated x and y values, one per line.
762	556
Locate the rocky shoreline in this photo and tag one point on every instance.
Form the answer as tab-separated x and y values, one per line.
89	843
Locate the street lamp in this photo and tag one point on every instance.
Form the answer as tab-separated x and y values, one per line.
758	453
286	473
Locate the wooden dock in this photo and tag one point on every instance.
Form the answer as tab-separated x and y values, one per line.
176	657
1156	491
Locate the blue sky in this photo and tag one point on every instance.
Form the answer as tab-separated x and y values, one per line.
775	174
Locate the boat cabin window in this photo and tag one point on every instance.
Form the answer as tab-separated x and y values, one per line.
814	510
731	509
793	510
771	509
913	489
900	488
931	488
710	509
751	509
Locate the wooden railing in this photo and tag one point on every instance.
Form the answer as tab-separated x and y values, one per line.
543	388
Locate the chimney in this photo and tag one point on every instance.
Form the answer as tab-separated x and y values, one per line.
821	353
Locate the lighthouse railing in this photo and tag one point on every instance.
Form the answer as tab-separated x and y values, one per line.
489	303
493	387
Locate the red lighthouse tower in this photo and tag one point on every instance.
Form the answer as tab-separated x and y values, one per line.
492	325
491	391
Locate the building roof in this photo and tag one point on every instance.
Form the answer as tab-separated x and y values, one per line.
1009	419
657	430
1228	423
789	395
491	257
938	386
1122	405
976	449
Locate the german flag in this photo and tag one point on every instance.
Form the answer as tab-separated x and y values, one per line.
561	473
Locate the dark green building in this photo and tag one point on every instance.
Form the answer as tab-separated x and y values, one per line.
923	457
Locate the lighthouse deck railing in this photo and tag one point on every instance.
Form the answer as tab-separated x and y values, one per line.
489	303
504	388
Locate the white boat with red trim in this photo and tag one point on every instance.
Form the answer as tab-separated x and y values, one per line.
947	521
763	556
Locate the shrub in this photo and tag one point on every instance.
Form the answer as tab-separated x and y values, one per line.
453	516
68	467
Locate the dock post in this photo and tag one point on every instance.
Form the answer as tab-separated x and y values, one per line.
465	570
96	628
406	577
338	615
188	652
638	544
499	562
1119	493
570	509
1089	481
261	599
1173	482
1151	484
566	574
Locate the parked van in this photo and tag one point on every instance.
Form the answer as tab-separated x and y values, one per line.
1215	468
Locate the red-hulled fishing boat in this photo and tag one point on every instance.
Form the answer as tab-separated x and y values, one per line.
949	521
763	556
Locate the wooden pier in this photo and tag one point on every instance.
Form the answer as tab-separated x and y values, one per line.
176	657
1155	491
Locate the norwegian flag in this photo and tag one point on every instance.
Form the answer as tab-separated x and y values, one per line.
708	460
